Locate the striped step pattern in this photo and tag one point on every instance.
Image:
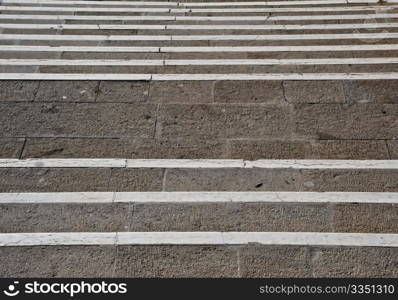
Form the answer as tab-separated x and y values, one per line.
198	139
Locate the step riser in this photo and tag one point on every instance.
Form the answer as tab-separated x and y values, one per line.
198	261
258	217
104	179
196	148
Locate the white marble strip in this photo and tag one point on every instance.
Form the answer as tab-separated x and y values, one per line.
63	163
199	238
110	3
72	197
246	197
197	163
199	49
197	27
170	3
197	62
195	10
200	197
220	37
199	18
78	49
192	4
201	77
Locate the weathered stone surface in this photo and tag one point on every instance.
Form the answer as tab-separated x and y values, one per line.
274	261
64	217
224	121
123	91
349	180
54	179
393	148
181	92
226	91
314	91
18	90
368	91
354	262
176	261
293	149
281	180
136	179
188	148
76	148
77	119
379	218
11	148
123	148
63	261
358	121
73	91
230	217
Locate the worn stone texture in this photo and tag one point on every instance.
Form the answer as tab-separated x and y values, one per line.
136	180
181	92
77	119
64	217
64	90
123	91
76	148
62	261
393	148
224	121
358	121
176	261
303	91
294	149
371	91
281	180
123	148
381	218
54	179
257	261
11	148
248	92
18	90
355	262
230	217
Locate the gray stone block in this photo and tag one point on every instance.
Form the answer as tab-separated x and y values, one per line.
230	217
358	121
64	90
224	121
63	261
314	91
54	179
181	92
77	119
11	148
257	261
176	261
371	91
123	91
18	90
136	179
226	91
355	262
64	217
380	218
294	149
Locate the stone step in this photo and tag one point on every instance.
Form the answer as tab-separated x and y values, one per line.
199	211
198	254
79	175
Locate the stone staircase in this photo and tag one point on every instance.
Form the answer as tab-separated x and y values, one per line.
199	139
